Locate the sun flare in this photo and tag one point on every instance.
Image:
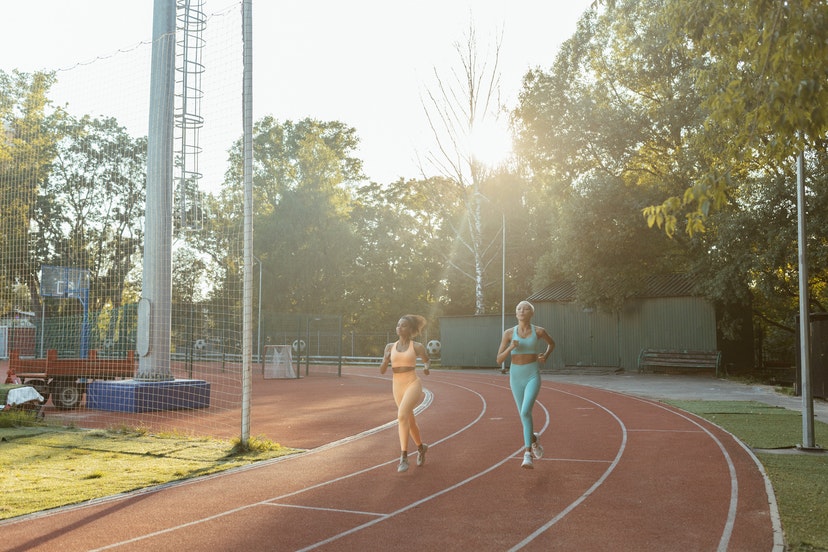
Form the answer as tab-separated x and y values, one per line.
490	143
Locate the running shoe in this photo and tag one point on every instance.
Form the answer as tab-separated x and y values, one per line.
537	449
421	452
527	461
403	465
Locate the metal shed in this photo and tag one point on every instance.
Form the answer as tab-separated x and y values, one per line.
667	315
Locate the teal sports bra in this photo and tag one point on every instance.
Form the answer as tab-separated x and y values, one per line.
526	345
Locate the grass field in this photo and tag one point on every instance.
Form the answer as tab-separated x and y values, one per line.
42	465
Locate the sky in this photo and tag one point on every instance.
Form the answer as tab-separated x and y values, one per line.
366	63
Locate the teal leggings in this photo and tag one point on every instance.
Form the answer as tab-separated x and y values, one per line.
525	381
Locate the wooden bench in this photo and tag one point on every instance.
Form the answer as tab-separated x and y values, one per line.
659	360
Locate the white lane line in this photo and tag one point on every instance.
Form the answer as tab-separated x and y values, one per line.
432	496
573	460
383	517
427	400
320	509
776	523
727	530
600	481
776	520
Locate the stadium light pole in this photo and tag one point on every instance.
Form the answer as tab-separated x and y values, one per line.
247	150
503	281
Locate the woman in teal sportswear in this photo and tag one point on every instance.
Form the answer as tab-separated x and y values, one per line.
521	342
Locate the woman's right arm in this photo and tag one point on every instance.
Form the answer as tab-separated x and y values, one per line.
386	358
506	346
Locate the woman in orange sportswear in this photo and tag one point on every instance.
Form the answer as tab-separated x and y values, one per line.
407	387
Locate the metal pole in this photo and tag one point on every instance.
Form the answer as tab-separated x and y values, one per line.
42	324
503	282
247	125
804	315
339	349
259	318
154	306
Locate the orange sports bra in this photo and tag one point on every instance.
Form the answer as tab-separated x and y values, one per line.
404	359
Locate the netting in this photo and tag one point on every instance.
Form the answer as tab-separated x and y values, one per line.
74	227
316	341
278	362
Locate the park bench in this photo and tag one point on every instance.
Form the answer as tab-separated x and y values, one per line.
662	360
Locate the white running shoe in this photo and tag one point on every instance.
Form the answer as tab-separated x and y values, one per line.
527	461
421	452
403	465
537	449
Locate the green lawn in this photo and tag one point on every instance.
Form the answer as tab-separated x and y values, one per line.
42	466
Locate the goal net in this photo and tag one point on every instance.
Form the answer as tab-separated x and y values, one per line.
278	362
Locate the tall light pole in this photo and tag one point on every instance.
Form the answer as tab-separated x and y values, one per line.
808	434
503	282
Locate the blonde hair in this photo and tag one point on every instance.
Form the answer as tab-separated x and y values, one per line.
418	323
530	305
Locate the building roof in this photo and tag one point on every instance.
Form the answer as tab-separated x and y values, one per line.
662	285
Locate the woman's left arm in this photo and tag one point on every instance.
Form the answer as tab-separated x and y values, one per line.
550	343
423	354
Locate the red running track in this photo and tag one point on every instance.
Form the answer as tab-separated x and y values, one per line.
619	473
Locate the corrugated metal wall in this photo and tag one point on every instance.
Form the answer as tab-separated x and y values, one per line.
589	337
583	337
682	323
470	341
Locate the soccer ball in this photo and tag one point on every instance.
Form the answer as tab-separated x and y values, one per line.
299	346
433	348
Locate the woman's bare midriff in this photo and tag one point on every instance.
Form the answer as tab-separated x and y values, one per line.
402	369
524	358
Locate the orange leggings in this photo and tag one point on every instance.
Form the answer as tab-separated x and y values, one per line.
408	393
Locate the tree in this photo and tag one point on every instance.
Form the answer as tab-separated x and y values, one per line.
602	134
90	210
653	100
27	147
399	267
760	67
460	104
303	181
752	254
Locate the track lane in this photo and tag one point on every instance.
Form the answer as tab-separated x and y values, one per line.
619	472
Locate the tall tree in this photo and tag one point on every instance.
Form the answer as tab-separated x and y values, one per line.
684	101
399	266
89	213
460	105
27	146
303	181
760	67
602	134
